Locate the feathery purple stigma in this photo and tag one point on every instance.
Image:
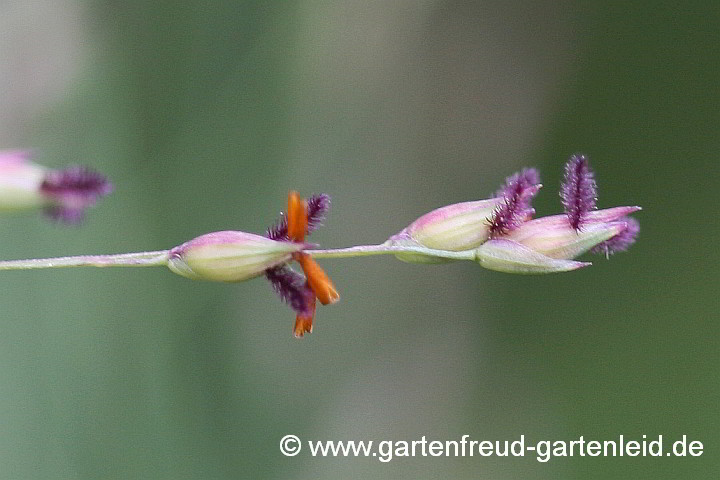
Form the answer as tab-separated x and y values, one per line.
279	230
621	241
578	191
518	192
76	180
291	287
526	178
72	190
318	206
68	216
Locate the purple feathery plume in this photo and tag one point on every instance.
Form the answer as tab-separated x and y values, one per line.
72	190
318	206
76	180
517	193
578	191
526	177
291	287
621	241
279	230
68	216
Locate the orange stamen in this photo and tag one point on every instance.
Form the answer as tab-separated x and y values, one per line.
304	323
296	217
318	280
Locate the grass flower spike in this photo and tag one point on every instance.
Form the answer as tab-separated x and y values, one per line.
231	256
466	226
63	195
499	233
454	228
549	244
502	235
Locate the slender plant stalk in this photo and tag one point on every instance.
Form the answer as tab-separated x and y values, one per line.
160	257
383	249
141	259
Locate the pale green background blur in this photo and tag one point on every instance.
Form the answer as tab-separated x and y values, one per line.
205	114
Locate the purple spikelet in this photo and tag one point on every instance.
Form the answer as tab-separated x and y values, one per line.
518	192
621	241
578	191
318	206
72	190
291	287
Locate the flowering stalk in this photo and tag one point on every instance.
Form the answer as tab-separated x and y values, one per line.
161	257
141	259
498	233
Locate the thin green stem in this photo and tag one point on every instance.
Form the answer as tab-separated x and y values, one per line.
160	257
364	250
141	259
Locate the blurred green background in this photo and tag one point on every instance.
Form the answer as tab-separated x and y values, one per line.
205	114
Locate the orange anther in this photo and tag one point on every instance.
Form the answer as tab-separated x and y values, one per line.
318	280
304	323
296	217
